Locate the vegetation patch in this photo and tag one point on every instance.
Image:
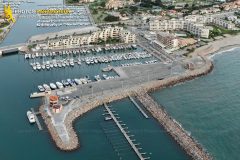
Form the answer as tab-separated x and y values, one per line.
219	31
4	24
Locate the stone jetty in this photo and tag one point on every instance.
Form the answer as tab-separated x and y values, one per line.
141	89
188	143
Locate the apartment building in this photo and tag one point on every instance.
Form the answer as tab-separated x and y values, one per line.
167	39
180	24
221	23
87	39
127	37
166	25
211	20
197	29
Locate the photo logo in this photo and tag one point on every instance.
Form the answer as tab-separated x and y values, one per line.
8	13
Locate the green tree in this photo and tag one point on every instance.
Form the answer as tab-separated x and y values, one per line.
110	18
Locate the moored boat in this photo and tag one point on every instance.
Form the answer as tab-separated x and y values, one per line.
41	88
31	117
46	87
53	86
59	85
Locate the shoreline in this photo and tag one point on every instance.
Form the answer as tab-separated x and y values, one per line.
9	29
220	45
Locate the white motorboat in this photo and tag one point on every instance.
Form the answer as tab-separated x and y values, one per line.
97	77
39	67
43	66
105	76
59	85
53	86
34	67
41	88
108	118
78	81
31	117
71	62
46	87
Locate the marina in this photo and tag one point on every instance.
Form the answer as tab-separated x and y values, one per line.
68	58
164	124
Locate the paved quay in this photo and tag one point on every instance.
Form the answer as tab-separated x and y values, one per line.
140	79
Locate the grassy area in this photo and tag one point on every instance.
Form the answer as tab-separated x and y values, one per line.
237	14
219	31
1	30
99	17
98	11
71	1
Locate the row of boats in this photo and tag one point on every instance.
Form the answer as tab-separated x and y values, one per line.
71	82
63	84
63	24
77	51
50	64
116	57
139	63
54	64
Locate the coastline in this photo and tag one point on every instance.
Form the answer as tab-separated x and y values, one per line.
9	28
220	45
5	33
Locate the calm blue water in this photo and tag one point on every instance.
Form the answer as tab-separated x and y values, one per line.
209	107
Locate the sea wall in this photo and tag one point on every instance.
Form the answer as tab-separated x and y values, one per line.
122	93
189	144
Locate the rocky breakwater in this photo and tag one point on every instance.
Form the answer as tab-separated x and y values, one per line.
189	144
117	94
206	68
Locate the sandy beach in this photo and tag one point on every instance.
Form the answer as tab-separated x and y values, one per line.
218	45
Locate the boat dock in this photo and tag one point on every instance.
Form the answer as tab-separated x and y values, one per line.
37	120
134	146
39	94
11	48
138	107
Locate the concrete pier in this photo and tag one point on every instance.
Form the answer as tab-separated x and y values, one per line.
188	143
134	147
138	107
37	120
12	48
